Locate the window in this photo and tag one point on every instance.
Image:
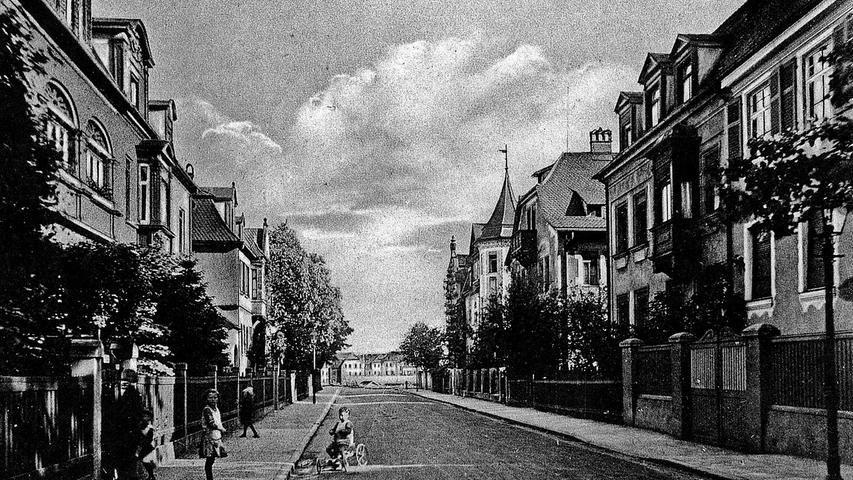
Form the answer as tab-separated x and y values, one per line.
493	263
127	188
244	279
626	135
134	91
622	313
817	84
69	12
182	225
98	159
686	199
685	76
710	161
640	218
165	200
665	202
622	228
144	207
814	251
653	111
61	122
760	113
641	305
590	272
256	285
761	264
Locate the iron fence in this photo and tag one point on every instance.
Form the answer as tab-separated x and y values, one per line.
797	371
46	427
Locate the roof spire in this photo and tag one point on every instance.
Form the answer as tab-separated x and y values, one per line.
506	157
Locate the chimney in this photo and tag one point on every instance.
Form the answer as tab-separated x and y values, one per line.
600	141
453	245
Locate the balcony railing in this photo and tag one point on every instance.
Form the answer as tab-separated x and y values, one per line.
523	247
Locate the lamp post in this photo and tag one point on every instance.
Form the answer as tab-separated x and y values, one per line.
830	382
314	370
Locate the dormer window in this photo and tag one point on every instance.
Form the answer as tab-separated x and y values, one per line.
653	102
133	91
685	81
626	134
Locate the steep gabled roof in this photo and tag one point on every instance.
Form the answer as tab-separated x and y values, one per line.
209	231
653	60
250	243
628	97
222	193
500	222
570	178
134	25
754	25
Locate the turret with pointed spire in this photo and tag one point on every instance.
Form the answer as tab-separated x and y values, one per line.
500	223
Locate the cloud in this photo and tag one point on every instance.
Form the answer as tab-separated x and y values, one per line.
382	165
245	132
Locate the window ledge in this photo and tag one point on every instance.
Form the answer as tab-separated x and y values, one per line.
760	307
640	252
813	298
620	260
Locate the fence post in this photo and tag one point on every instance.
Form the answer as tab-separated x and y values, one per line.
86	357
181	374
275	373
679	351
629	377
758	377
293	394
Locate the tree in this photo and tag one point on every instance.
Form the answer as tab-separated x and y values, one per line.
26	193
456	335
593	340
423	346
490	347
531	335
197	331
304	306
792	176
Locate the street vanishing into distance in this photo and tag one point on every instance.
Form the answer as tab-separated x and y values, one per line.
411	437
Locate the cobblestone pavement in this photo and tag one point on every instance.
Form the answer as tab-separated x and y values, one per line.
411	437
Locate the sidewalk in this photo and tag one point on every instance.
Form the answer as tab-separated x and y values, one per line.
284	434
646	445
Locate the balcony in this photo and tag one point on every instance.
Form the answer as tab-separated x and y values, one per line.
523	247
259	307
674	243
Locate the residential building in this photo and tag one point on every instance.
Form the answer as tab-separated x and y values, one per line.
119	179
699	105
233	259
559	233
389	364
487	276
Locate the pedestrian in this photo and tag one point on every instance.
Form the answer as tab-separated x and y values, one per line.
128	463
211	446
147	451
247	411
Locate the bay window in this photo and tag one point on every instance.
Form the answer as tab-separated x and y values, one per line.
665	200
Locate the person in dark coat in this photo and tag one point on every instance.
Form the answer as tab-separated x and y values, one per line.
130	412
247	410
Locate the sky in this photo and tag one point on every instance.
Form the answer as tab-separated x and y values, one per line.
372	127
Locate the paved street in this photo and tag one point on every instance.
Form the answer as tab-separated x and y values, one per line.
412	437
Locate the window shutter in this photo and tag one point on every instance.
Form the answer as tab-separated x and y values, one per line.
775	107
734	130
787	101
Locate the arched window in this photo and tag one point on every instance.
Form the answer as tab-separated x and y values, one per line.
98	158
61	122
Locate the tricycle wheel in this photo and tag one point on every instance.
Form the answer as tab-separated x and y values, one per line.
319	465
361	454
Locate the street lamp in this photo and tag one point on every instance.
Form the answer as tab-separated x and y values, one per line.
830	382
314	370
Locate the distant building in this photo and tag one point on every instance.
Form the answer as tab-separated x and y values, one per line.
391	364
560	231
234	260
486	277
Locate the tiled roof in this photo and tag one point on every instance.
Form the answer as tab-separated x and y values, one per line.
573	173
754	25
500	223
221	193
476	233
250	242
208	228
